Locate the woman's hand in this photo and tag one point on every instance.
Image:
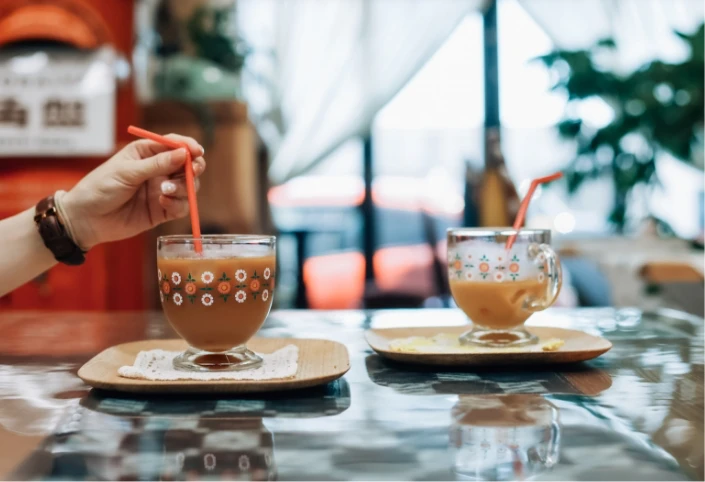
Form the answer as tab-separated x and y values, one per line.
137	189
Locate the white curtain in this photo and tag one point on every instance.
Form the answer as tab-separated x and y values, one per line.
332	65
642	29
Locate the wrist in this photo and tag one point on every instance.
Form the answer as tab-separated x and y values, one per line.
54	233
72	219
29	236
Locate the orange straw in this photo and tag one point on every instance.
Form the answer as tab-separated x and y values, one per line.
190	186
519	221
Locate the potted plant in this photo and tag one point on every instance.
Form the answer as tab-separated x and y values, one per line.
658	108
201	56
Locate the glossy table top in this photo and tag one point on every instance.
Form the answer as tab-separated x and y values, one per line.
636	413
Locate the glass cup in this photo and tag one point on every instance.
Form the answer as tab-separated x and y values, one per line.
504	437
218	299
499	289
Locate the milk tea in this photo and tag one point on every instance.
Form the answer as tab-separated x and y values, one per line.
216	303
497	306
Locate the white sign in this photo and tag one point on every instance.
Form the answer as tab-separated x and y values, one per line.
57	103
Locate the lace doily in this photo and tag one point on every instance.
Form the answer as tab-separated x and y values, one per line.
157	365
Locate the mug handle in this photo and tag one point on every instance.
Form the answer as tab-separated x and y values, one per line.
554	273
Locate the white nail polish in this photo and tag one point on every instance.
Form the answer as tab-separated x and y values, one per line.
168	187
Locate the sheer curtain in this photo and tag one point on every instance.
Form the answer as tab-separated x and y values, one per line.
642	29
329	66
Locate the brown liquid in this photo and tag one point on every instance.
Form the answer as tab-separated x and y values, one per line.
517	410
226	311
497	306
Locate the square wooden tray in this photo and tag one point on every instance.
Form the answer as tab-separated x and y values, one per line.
320	362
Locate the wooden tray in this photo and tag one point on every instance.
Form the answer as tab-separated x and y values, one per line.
320	361
579	346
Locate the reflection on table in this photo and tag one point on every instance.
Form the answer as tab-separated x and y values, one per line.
111	437
634	413
504	437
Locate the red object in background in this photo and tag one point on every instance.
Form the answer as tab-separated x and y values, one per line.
337	281
63	287
113	276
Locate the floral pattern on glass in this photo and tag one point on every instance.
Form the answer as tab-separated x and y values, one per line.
177	287
493	267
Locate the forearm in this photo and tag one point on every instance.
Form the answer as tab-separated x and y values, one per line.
24	256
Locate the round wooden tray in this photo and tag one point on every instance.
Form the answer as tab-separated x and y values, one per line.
320	361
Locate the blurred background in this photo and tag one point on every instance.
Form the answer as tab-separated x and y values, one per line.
358	131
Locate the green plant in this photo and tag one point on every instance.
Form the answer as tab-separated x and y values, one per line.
210	32
657	108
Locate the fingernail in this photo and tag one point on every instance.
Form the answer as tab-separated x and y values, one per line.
203	150
168	187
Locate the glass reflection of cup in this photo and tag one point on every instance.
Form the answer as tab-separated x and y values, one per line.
499	289
504	437
219	449
246	452
218	299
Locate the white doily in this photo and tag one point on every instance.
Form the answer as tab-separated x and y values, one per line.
157	365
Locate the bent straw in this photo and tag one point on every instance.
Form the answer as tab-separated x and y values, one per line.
190	186
519	221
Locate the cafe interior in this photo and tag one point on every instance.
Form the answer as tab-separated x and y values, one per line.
380	169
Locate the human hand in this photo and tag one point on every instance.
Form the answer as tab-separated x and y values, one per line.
137	189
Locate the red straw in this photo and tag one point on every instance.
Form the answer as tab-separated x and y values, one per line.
190	186
519	221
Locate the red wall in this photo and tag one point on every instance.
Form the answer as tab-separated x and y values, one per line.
112	277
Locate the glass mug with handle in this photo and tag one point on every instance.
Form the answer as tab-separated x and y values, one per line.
218	299
504	437
499	289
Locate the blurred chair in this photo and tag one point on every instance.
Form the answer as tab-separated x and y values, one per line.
401	278
302	237
400	283
377	300
334	281
677	285
591	285
669	272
